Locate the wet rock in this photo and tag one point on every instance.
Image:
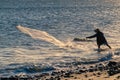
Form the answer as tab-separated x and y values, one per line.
86	75
55	73
67	74
38	76
62	73
99	73
21	79
9	79
94	74
44	74
113	68
82	70
57	78
91	69
100	67
75	77
118	77
117	53
51	78
112	63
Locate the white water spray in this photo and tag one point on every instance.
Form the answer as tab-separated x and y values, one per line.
41	35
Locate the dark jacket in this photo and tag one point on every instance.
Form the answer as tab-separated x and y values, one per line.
100	38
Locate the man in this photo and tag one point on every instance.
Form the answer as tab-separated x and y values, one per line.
100	38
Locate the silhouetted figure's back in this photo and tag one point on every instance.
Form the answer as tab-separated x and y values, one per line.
100	38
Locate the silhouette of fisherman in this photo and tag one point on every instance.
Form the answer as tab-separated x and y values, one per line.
100	38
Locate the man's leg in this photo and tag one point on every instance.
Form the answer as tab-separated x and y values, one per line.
108	45
98	48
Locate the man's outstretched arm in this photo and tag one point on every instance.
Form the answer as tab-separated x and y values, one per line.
92	36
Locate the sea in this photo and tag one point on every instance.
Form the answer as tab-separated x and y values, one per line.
54	23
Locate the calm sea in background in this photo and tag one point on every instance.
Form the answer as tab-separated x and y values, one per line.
64	20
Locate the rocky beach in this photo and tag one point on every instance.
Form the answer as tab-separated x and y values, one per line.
106	70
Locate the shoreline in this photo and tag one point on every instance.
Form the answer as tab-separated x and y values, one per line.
107	70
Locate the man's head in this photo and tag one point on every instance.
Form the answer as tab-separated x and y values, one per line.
97	30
